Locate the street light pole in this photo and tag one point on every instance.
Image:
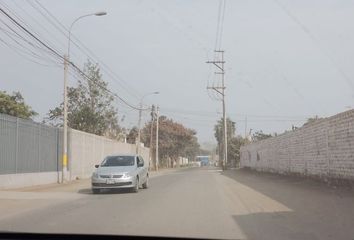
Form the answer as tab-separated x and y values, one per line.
65	122
151	134
139	121
65	126
157	139
77	19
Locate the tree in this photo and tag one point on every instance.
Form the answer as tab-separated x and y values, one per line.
192	149
175	140
234	143
312	120
259	135
132	135
15	105
219	129
90	106
233	150
219	134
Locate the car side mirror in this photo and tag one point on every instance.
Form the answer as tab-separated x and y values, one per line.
97	165
140	164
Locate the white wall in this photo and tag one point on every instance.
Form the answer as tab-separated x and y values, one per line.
19	180
86	150
324	148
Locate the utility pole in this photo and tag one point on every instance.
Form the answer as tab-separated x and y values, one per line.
139	129
151	132
157	140
138	142
221	90
65	122
65	127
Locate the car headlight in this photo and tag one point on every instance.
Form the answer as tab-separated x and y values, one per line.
95	175
126	175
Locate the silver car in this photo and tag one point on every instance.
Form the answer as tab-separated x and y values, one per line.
120	171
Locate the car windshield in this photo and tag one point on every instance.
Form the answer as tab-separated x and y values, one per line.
118	161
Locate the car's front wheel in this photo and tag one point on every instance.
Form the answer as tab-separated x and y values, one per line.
136	187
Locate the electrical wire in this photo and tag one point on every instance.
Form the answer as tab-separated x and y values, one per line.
12	34
15	34
31	34
38	23
92	56
307	31
83	74
212	114
22	48
222	24
218	41
23	22
21	53
218	27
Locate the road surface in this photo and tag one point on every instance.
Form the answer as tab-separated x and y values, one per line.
197	202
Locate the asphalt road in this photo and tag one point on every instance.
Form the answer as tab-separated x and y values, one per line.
199	202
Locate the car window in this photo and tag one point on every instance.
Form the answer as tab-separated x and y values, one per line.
117	161
141	160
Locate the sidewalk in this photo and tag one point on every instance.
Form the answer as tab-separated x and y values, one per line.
19	200
74	184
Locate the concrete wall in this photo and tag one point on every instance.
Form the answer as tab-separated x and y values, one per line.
19	180
86	150
39	150
324	148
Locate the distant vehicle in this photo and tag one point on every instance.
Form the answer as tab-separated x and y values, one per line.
120	171
204	160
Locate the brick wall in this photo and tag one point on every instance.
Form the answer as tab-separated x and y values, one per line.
324	148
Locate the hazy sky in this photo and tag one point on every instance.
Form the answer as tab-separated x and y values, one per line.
285	60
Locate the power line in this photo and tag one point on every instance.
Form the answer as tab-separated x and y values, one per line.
92	56
38	23
315	40
104	88
18	35
212	114
20	19
24	49
173	21
218	27
70	63
13	34
21	53
31	34
222	24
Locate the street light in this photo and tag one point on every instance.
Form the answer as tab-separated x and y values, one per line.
139	122
66	63
77	19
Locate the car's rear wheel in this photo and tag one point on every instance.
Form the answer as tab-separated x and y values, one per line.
146	183
96	191
136	187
